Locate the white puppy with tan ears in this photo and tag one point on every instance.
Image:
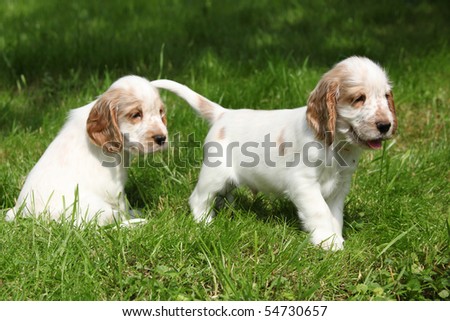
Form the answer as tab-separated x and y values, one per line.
82	174
306	154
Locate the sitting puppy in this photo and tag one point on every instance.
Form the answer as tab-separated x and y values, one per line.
82	173
306	154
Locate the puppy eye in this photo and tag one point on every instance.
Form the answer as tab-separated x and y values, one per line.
162	113
360	99
136	115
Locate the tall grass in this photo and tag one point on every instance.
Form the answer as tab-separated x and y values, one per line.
257	54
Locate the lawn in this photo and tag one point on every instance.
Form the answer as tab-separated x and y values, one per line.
56	56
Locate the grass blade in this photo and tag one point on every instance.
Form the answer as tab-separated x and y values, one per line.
395	240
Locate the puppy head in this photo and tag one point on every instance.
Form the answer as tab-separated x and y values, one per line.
354	101
128	116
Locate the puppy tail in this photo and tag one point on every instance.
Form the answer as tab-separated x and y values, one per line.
206	108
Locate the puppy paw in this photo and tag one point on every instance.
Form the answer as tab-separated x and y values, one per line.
205	219
10	215
328	241
134	222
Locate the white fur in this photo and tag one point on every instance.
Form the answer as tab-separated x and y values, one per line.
317	191
70	179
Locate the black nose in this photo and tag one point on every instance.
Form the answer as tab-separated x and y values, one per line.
159	139
383	127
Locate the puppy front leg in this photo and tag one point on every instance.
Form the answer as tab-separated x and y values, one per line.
336	206
318	219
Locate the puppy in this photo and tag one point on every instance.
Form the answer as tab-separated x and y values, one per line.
306	154
82	174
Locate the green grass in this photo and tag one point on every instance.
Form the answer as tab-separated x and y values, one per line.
258	54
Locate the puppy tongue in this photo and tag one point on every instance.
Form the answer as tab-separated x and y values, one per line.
374	144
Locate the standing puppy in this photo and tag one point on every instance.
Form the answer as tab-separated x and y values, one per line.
306	154
82	173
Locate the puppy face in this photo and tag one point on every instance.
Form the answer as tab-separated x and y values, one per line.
353	100
128	116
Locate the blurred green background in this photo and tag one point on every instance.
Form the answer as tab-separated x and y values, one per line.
39	39
59	55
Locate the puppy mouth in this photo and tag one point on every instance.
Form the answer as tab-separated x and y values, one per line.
374	144
367	143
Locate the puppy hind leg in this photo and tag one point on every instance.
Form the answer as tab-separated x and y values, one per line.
225	196
210	184
201	203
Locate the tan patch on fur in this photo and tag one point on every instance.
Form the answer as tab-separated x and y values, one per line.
349	95
162	112
164	119
152	133
322	102
129	114
205	109
331	108
381	117
281	144
221	134
102	124
127	105
390	99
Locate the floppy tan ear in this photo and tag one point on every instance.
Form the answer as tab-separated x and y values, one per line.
321	110
102	124
390	100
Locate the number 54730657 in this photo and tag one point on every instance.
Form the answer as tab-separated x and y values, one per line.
295	311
